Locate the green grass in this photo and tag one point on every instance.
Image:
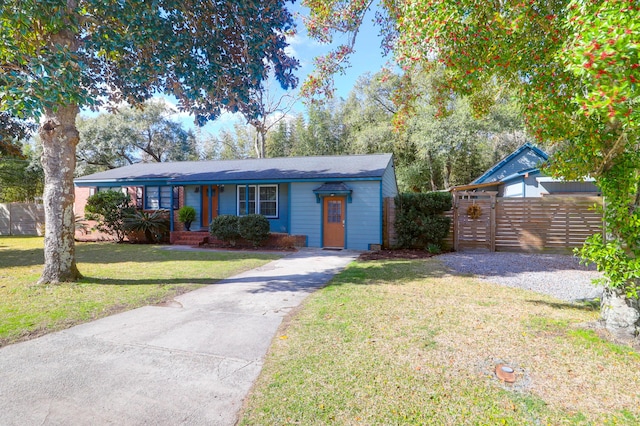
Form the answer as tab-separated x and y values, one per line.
117	277
403	342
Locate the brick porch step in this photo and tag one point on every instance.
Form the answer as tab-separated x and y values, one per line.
187	238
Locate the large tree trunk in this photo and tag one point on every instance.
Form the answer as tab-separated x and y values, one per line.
621	314
59	140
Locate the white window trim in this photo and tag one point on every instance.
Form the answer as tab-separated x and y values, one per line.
257	201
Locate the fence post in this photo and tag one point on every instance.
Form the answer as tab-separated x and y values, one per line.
388	224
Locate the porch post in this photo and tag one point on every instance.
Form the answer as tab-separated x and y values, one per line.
210	189
171	211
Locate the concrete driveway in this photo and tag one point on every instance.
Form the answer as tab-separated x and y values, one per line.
191	361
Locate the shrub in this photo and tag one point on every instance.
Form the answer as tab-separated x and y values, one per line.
254	228
434	249
109	209
419	222
152	224
225	228
186	215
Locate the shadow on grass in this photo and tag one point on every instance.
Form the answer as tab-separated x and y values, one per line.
104	253
155	281
254	284
591	305
397	271
357	273
30	257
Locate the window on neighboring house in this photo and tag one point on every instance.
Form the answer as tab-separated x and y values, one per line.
260	199
159	197
122	189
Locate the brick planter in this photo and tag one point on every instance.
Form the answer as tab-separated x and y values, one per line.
276	240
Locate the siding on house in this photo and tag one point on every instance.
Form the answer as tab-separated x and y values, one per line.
193	199
389	183
227	201
531	187
566	187
513	188
306	213
364	218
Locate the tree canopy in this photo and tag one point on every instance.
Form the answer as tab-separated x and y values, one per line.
133	135
12	131
59	55
91	52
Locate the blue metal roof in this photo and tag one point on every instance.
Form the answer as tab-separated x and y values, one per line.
289	169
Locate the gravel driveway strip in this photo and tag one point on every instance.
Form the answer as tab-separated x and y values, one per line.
560	276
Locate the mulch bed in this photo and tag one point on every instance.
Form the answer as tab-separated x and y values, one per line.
395	254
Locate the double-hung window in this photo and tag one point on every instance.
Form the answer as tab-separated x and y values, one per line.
258	199
159	197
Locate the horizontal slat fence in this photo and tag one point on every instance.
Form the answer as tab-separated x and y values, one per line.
21	219
474	234
546	224
554	224
448	240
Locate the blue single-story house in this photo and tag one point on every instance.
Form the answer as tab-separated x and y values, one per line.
334	201
519	175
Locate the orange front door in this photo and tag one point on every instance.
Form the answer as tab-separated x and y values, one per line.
209	199
333	221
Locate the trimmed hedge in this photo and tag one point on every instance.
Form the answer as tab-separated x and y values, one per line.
254	228
419	221
225	228
228	228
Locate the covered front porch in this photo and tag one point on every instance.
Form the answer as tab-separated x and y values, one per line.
212	199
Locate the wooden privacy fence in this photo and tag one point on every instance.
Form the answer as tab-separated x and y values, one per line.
389	223
484	222
21	219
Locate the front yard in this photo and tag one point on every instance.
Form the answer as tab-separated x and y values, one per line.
404	342
117	277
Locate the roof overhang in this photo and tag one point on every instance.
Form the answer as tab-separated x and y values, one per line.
543	179
472	186
333	189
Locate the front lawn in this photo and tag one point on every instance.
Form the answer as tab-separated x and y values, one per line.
117	277
404	342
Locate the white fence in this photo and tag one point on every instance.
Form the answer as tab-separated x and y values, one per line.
21	219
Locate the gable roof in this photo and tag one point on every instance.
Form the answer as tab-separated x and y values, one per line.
324	168
525	159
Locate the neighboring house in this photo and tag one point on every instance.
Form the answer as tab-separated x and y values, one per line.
334	201
519	175
514	206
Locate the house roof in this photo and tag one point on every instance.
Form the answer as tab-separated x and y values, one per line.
517	175
525	159
336	187
325	168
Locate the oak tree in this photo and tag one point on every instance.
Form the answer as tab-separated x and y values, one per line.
57	56
132	135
